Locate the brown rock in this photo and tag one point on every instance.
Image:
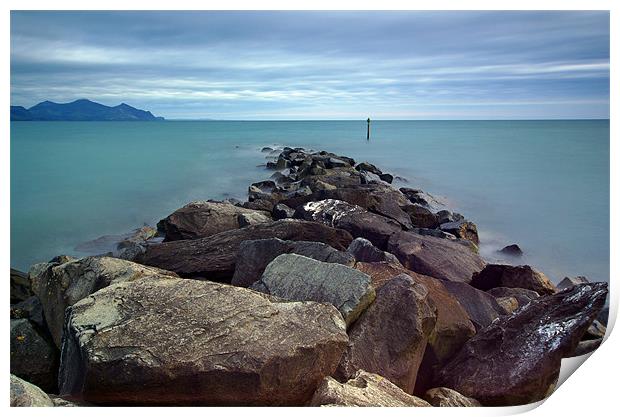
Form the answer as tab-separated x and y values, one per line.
446	397
188	342
390	337
509	304
481	307
524	276
522	295
365	390
435	257
214	257
421	216
205	218
517	358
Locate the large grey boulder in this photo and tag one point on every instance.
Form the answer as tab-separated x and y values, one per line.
205	218
390	337
33	355
24	394
364	390
522	276
254	256
59	286
298	278
435	257
188	342
569	282
516	359
214	257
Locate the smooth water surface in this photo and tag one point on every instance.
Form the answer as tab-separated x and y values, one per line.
541	184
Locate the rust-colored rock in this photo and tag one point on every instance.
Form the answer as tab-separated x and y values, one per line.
481	307
390	337
517	358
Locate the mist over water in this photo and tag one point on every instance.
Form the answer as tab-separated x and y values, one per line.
541	184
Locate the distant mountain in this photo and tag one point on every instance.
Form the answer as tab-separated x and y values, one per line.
80	110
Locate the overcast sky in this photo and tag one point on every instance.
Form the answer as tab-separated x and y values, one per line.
318	65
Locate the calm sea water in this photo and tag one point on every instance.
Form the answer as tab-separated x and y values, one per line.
541	184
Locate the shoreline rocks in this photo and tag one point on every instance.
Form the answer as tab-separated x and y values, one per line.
344	291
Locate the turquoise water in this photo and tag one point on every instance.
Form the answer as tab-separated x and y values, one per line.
541	184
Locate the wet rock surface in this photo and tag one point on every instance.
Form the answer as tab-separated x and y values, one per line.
179	341
517	358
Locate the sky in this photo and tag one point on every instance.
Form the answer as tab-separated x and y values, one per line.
318	65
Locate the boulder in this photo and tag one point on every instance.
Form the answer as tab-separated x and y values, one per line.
381	272
446	397
569	282
205	218
516	359
354	219
364	390
30	309
415	196
445	216
282	211
435	257
33	355
524	276
421	217
508	304
462	229
376	198
364	251
386	177
59	286
299	278
390	337
24	394
511	250
20	286
481	307
585	346
189	342
214	257
368	167
596	330
522	295
254	256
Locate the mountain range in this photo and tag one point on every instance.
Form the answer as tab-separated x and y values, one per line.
80	110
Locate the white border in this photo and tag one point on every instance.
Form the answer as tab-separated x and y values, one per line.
591	391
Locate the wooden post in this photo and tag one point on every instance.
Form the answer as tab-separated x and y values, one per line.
368	129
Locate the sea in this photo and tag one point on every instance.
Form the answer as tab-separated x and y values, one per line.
541	184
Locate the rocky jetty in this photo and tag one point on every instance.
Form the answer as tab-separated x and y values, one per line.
327	287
